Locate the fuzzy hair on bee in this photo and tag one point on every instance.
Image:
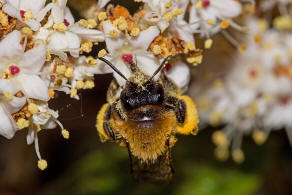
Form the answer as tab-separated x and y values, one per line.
145	115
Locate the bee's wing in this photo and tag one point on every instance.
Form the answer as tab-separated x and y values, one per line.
161	170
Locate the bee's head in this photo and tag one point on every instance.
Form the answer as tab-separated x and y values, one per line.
134	96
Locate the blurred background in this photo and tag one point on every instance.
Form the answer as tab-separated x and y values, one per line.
83	165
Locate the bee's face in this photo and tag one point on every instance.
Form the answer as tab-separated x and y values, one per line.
144	98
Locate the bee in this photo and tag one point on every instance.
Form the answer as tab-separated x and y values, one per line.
145	115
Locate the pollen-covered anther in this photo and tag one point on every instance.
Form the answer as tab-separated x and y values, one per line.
177	12
238	156
208	43
8	96
215	118
101	53
135	32
91	23
32	108
168	4
210	22
79	84
195	60
224	24
156	49
69	72
189	46
168	16
42	164
61	69
83	23
102	16
60	27
73	93
122	23
3	19
127	58
22	123
14	70
114	33
219	138
89	84
65	134
242	48
26	31
259	137
91	61
86	46
51	93
199	4
257	38
221	153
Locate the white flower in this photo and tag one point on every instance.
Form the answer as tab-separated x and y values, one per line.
62	34
20	69
213	11
27	11
122	45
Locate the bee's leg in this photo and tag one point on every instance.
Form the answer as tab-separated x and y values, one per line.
103	125
106	124
178	106
112	91
117	107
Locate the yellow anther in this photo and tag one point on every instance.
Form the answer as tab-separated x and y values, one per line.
122	23
238	156
195	60
168	4
242	48
218	84
177	12
168	16
37	127
42	164
73	93
51	93
27	15
259	137
114	33
4	21
102	16
69	72
89	84
91	23
156	49
26	31
65	133
262	25
199	4
83	23
135	32
224	24
61	69
215	118
8	96
219	138
257	38
22	123
91	61
60	27
210	22
48	56
221	154
102	53
32	108
86	46
208	43
79	84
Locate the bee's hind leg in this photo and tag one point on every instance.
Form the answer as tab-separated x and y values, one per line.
179	108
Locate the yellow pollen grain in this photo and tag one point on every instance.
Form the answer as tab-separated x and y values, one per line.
51	93
102	16
79	84
48	56
135	32
257	38
42	164
32	108
122	23
238	156
69	72
224	24
168	4
208	43
114	33
138	1
73	93
60	27
199	4
26	31
89	84
91	61
218	84
86	46
101	53
215	118
61	69
156	49
65	134
8	96
219	139
242	48
262	25
177	12
55	1
91	23
3	19
28	15
210	22
37	127
22	123
259	137
191	46
195	60
83	23
221	154
168	16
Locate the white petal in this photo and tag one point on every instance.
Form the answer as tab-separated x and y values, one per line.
121	66
57	14
58	41
30	136
11	11
33	24
145	38
87	34
112	44
43	12
14	3
180	74
227	8
15	104
7	126
8	86
33	60
34	5
62	3
73	40
10	46
68	16
147	64
33	87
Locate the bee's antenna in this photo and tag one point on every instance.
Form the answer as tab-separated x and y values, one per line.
160	67
113	67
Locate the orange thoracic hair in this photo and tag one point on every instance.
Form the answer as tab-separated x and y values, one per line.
147	140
